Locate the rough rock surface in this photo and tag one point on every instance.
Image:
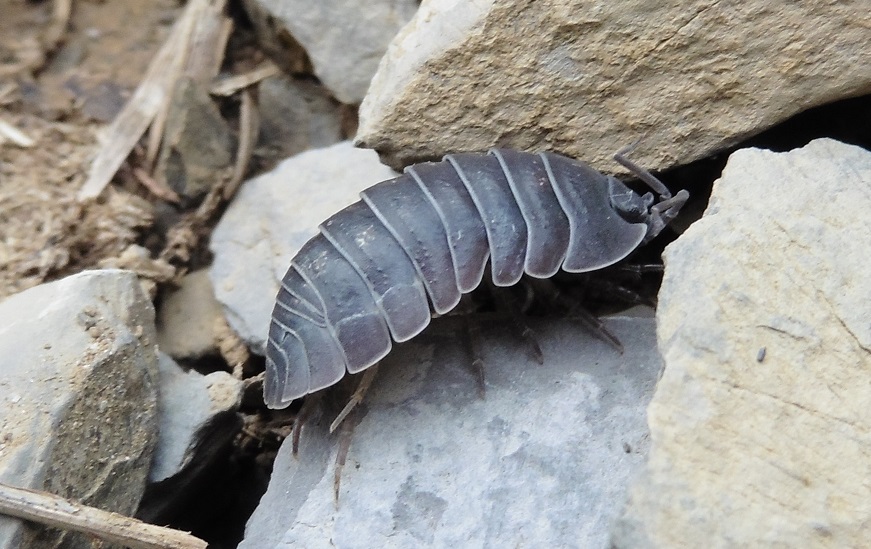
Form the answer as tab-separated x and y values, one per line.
197	421
344	39
587	78
78	413
197	142
271	218
186	318
189	404
542	461
773	450
295	116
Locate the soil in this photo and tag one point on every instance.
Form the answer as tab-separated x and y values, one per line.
59	91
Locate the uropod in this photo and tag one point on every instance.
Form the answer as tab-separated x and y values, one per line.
412	245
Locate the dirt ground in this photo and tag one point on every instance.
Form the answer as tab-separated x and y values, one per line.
66	71
62	79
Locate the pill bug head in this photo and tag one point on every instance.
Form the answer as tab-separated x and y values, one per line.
636	208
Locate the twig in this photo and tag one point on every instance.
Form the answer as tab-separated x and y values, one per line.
58	512
226	86
160	190
149	99
60	19
10	132
249	127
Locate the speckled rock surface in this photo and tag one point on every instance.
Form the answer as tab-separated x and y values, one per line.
753	448
587	78
542	461
78	413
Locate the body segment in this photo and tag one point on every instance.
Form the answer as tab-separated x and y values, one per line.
420	240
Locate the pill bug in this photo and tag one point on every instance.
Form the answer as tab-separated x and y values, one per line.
415	243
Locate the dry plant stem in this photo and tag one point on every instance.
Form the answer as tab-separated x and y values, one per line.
200	58
58	512
249	127
13	134
60	19
227	86
160	190
149	99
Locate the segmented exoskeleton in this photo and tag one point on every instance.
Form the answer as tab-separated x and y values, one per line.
421	240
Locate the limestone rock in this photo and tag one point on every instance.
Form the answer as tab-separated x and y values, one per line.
197	145
78	416
271	218
542	461
586	79
197	421
767	448
186	319
345	39
295	116
189	403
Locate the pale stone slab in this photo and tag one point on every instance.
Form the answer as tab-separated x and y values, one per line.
586	78
542	461
765	448
78	392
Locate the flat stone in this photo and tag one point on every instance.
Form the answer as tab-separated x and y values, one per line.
270	219
189	402
761	424
78	413
197	144
186	318
198	421
541	461
295	116
344	39
687	78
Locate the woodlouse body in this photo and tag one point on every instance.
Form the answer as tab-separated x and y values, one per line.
423	239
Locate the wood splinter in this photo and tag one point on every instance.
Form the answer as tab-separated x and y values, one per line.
55	511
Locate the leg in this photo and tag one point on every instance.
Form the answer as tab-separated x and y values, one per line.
597	328
505	304
342	453
472	338
357	397
309	405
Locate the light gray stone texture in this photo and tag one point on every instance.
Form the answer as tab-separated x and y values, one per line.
270	219
186	318
198	421
586	78
344	39
190	403
765	449
542	461
78	413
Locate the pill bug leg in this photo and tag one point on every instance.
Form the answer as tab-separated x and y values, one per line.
517	323
471	338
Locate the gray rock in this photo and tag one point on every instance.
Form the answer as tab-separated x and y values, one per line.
542	461
78	416
271	218
186	318
197	422
765	449
189	404
295	116
197	143
586	79
345	39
